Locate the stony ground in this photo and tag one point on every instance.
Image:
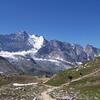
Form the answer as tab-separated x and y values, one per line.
9	92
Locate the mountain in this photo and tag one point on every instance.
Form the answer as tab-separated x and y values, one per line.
35	55
92	51
20	41
14	42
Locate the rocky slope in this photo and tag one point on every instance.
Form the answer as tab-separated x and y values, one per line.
6	67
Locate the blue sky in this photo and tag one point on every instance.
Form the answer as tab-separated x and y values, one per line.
75	21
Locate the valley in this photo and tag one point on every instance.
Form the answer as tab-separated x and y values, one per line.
47	70
84	86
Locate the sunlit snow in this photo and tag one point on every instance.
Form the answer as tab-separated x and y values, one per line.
17	84
36	41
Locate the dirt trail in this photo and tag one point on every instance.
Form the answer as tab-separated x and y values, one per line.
81	77
45	96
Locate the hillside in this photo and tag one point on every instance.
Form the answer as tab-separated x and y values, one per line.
6	67
68	75
79	83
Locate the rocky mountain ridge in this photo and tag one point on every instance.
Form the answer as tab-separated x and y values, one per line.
35	55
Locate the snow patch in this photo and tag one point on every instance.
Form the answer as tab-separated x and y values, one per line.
79	63
51	60
18	88
61	59
17	84
57	60
73	46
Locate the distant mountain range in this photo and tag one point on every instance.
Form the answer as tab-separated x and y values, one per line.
35	55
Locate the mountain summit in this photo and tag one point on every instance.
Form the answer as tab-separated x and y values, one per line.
35	55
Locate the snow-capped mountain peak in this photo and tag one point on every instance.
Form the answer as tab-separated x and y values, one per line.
23	40
36	41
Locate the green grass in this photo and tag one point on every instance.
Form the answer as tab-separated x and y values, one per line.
88	87
86	68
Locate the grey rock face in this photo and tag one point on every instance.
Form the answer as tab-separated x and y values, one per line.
92	51
15	42
66	51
